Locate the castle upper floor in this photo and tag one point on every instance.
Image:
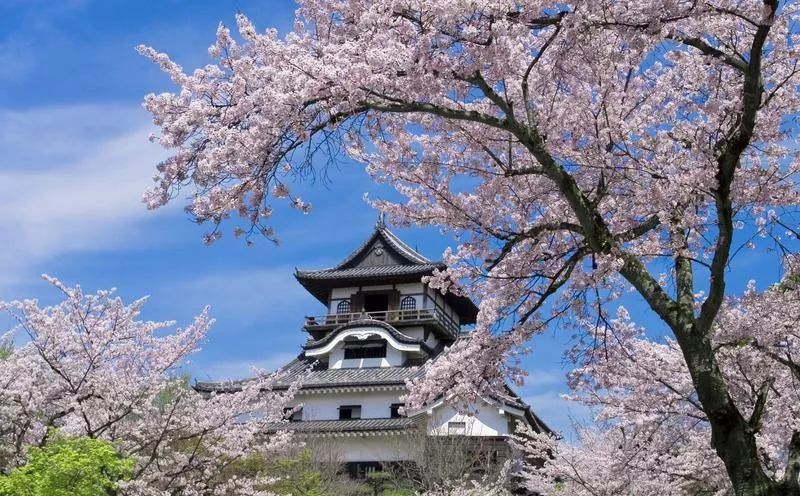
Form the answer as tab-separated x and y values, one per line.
379	311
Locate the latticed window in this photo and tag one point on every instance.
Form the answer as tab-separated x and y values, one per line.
408	303
343	307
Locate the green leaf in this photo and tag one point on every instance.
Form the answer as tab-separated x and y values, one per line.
69	466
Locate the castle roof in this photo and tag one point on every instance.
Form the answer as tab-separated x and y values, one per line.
344	427
383	258
381	232
302	369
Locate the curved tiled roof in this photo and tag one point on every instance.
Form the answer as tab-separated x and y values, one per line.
353	425
409	254
300	369
397	335
367	272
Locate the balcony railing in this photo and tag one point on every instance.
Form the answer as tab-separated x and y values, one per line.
389	316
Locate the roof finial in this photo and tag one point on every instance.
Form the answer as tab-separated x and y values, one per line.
381	220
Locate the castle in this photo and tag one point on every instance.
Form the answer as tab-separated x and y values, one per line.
381	323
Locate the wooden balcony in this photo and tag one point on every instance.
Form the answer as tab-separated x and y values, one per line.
421	316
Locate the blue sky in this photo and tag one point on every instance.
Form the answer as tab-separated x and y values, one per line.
75	160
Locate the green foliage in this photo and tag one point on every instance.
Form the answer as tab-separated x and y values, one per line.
166	397
6	347
298	476
68	466
789	283
378	482
394	491
303	475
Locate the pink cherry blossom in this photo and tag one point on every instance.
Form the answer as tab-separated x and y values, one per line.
653	435
90	368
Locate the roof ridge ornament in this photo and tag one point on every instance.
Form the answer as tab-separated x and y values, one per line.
381	222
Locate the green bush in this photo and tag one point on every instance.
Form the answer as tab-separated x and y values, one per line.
298	476
69	466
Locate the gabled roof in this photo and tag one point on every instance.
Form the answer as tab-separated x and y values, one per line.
407	255
511	398
383	254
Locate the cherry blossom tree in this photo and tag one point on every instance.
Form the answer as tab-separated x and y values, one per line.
621	462
576	150
655	435
90	368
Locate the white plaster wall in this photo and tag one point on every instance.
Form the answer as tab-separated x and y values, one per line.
417	299
418	332
339	293
431	299
411	288
403	288
486	421
373	448
332	309
324	406
377	287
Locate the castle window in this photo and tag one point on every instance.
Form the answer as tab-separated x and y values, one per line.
394	410
343	307
408	303
348	412
293	415
456	428
366	349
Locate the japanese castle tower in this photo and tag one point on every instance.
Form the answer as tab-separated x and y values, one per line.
381	322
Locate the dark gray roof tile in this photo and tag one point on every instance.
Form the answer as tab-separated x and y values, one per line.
298	369
375	271
356	425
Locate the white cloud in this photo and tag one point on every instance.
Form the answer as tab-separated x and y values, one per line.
538	378
559	413
258	295
71	179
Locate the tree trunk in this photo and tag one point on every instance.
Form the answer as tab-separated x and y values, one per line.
732	436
